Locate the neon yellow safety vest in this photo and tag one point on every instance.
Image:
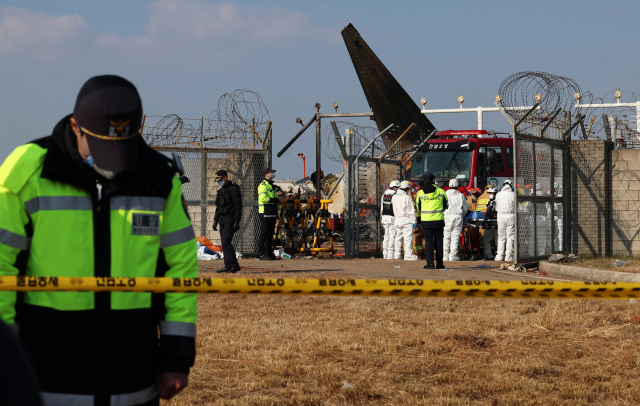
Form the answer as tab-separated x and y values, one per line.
58	221
431	205
266	209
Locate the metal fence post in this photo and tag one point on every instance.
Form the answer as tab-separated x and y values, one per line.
566	185
346	197
318	155
378	217
269	142
203	184
514	126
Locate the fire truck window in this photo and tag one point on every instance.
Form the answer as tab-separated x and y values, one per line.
496	166
509	157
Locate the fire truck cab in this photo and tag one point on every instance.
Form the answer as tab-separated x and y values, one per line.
475	157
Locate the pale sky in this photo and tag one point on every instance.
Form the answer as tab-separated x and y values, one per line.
184	54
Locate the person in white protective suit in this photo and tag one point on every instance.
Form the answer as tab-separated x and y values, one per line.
456	210
405	221
543	224
505	206
388	220
558	217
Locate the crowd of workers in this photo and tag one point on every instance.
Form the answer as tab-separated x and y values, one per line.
441	215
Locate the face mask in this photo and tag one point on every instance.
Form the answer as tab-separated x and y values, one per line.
89	159
103	172
221	183
271	176
491	197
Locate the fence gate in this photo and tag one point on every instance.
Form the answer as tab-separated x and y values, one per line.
542	184
204	151
244	168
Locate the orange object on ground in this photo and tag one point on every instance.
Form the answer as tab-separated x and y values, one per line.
209	244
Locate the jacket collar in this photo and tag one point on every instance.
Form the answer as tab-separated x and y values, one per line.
62	163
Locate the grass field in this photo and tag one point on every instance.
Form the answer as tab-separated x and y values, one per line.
606	262
290	350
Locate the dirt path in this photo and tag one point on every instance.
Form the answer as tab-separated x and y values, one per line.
371	269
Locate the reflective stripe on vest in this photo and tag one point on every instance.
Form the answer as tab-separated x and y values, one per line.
432	205
142	203
482	205
14	240
177	328
125	399
265	193
58	203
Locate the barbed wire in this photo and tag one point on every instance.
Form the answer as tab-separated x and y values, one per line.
240	121
625	117
520	89
361	137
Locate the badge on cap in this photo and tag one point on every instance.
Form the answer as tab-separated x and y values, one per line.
119	128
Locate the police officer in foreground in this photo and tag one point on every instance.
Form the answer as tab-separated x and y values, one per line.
93	199
228	215
432	202
268	213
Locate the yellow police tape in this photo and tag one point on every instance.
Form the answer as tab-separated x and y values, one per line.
335	287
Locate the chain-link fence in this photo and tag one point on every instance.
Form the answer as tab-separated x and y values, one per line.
540	170
243	168
370	178
242	161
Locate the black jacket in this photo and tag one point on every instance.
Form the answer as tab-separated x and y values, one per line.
228	204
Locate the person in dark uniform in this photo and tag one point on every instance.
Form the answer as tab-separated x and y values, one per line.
268	213
228	215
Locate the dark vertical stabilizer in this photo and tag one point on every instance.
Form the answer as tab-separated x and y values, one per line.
389	102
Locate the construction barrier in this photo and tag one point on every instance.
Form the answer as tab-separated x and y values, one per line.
335	287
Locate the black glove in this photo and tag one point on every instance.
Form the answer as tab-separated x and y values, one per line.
236	226
215	226
274	200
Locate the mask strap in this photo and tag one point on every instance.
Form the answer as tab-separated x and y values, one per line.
89	159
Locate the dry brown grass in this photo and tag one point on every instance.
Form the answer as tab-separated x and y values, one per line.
606	262
298	350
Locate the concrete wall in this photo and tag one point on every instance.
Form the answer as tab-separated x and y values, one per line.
625	187
591	202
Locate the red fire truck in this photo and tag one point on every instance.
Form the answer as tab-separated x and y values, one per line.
475	157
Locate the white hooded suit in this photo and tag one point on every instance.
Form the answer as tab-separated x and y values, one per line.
388	224
457	208
405	218
505	206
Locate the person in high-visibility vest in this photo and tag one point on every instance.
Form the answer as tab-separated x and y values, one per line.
432	202
268	213
94	200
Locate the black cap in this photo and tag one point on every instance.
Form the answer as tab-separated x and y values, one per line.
220	174
109	111
267	170
428	178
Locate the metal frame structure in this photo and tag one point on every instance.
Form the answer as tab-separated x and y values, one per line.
246	239
554	146
479	110
353	206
